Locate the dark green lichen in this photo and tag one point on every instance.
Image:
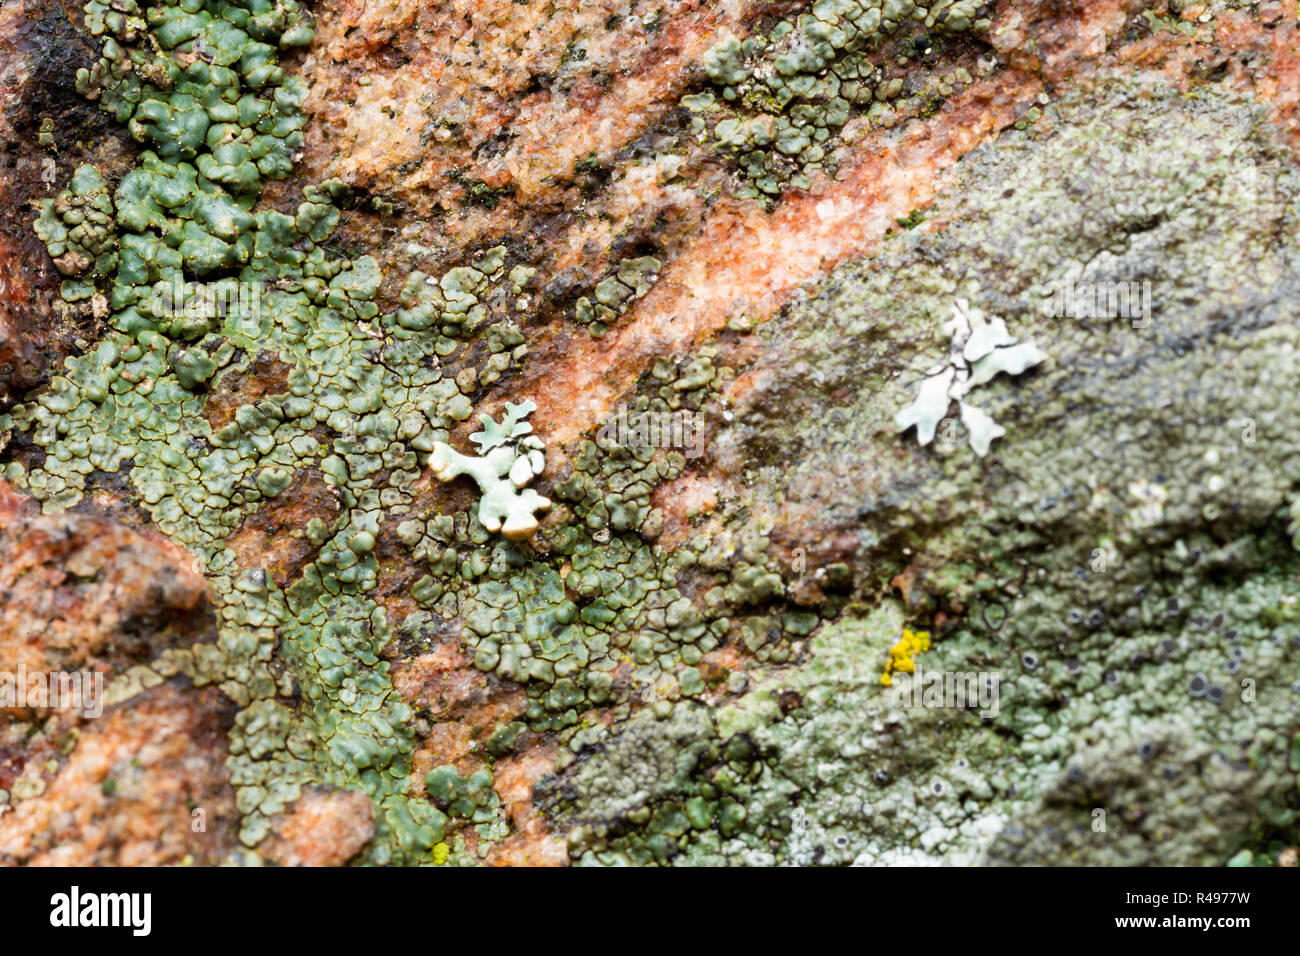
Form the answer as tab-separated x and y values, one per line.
787	96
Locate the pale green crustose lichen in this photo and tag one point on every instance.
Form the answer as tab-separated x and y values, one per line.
368	395
370	398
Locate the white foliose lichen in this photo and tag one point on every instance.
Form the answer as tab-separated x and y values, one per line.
509	457
981	347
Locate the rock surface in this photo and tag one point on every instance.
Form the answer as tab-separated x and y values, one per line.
721	246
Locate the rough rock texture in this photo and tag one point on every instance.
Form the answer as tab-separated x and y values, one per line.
264	262
85	593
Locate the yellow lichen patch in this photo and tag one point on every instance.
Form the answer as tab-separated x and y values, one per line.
901	654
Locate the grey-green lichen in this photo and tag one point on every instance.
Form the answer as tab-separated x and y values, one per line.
787	96
77	227
1124	567
1124	592
596	616
369	395
616	292
588	615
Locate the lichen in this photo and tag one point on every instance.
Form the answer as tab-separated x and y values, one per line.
616	292
981	349
372	397
902	656
1122	567
720	700
370	394
501	472
788	95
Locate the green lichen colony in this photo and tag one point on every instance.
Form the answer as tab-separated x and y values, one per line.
1122	557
